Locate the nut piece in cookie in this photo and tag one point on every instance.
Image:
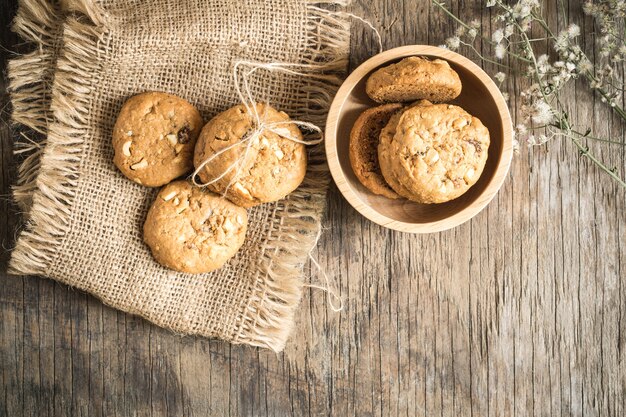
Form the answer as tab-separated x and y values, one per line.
433	154
364	148
154	138
264	169
414	78
192	230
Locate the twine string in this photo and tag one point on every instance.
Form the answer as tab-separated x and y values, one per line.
244	93
328	288
359	18
260	124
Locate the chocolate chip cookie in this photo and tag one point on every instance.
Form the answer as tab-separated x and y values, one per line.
154	138
414	78
433	154
257	168
192	230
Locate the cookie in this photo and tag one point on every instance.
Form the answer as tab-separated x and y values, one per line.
364	148
386	135
414	78
266	168
433	154
154	138
364	139
192	230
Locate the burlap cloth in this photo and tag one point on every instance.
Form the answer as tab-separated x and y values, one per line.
85	219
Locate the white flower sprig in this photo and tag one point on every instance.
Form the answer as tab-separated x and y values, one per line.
543	116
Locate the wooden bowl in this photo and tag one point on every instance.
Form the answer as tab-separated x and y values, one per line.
479	96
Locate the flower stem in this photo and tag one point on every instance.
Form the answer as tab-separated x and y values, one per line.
482	57
597	139
584	151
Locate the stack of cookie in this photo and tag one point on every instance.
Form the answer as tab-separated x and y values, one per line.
159	137
409	147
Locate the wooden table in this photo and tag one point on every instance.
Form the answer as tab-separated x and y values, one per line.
517	312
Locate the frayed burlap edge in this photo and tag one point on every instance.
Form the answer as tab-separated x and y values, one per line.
52	175
30	76
267	319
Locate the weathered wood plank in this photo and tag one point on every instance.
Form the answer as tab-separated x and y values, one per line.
517	312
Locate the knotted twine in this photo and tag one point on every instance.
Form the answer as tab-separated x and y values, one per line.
260	125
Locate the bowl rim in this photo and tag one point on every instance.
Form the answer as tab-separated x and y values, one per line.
343	184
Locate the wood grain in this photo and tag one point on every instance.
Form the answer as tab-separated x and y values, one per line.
518	312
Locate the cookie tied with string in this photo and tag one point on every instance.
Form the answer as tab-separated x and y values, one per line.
248	162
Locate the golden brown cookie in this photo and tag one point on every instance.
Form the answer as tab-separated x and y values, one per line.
154	138
364	148
267	170
433	154
414	78
192	230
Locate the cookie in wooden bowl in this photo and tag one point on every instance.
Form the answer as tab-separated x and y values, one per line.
364	148
433	154
364	140
414	78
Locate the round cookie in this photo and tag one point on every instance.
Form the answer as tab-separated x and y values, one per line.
386	136
364	138
433	154
192	230
154	138
414	78
269	168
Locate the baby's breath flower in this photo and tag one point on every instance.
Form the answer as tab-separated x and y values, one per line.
573	30
595	84
453	43
585	65
509	30
497	36
541	113
543	65
561	42
500	51
499	76
521	10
